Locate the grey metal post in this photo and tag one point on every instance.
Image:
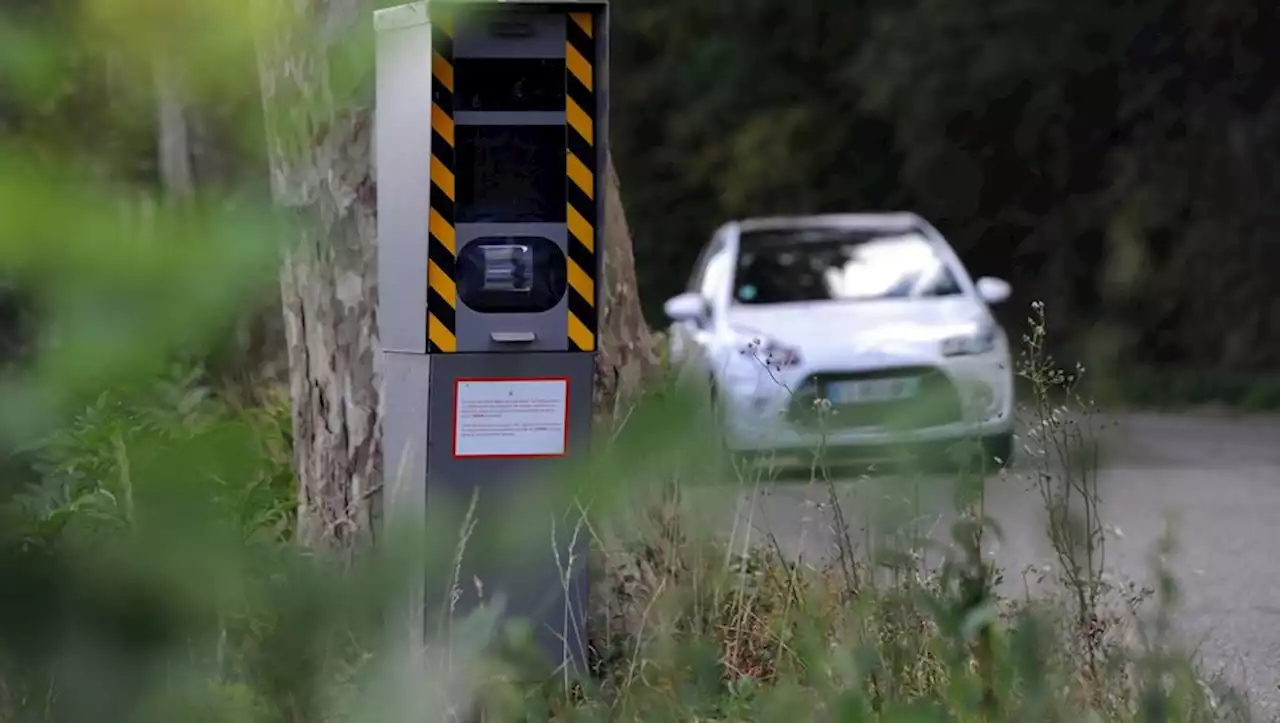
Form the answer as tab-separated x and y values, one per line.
490	148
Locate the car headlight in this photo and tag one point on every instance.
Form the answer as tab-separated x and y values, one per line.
765	351
770	354
966	344
779	356
750	368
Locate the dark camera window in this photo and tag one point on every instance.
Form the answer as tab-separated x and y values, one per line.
508	84
510	174
504	275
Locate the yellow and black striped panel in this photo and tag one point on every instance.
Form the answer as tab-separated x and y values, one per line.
442	330
580	117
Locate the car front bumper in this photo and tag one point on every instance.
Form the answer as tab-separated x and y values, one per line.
759	416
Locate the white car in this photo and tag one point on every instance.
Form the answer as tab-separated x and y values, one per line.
848	333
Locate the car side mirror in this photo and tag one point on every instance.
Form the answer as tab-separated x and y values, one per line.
993	290
688	306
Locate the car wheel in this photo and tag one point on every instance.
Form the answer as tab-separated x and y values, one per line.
733	460
717	412
998	451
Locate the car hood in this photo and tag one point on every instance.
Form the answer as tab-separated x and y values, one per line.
849	326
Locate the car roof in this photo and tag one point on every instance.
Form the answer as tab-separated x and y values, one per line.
900	220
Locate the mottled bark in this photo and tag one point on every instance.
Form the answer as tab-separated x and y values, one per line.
627	355
321	173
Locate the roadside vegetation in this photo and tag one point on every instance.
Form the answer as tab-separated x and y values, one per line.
1160	388
152	574
151	569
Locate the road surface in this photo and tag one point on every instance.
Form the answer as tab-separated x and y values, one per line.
1219	475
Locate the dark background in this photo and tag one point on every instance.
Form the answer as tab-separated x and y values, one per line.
1116	160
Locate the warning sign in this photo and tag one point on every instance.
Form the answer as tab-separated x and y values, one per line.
511	417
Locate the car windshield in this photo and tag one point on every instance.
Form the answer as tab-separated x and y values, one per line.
833	264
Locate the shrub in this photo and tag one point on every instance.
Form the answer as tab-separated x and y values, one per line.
158	531
141	516
131	445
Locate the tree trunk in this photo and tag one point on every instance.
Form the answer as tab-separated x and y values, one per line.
173	146
627	355
322	174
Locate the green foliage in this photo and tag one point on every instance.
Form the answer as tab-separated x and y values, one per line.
120	282
145	554
1052	142
157	529
111	467
1157	388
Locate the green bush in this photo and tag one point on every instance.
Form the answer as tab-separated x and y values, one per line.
147	570
119	459
146	507
153	548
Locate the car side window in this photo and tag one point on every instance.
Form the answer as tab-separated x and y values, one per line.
700	266
714	278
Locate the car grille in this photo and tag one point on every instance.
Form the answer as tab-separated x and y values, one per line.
935	404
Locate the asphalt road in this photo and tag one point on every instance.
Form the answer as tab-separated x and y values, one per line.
1218	476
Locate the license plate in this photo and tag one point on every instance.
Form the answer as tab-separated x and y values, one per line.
870	391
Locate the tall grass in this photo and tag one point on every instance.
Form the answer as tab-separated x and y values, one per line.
157	581
147	565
